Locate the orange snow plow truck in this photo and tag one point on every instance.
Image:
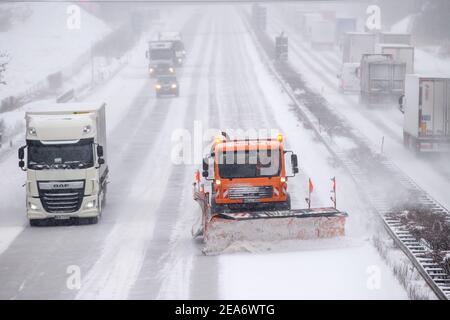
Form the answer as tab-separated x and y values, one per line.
243	197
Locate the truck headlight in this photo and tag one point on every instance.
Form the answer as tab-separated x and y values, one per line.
151	70
158	86
32	206
87	129
174	86
171	70
90	204
32	131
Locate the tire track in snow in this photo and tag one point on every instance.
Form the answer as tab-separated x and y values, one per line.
117	269
165	264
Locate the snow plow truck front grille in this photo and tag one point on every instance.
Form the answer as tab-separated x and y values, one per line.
250	192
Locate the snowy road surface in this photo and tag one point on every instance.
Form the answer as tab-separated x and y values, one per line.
142	247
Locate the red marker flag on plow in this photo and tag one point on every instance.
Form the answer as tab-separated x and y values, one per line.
311	186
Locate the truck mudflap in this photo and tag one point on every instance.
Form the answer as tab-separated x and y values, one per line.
222	230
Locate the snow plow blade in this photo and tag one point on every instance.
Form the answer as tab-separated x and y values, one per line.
224	229
221	230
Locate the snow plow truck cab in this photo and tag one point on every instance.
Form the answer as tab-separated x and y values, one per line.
249	175
242	193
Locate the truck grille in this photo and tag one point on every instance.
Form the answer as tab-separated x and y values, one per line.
65	197
250	192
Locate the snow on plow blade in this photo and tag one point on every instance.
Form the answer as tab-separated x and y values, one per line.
224	229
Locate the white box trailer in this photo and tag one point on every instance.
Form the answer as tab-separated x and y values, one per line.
426	124
392	37
305	21
322	33
356	44
382	79
400	52
66	161
344	25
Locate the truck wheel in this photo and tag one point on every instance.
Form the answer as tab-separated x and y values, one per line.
286	205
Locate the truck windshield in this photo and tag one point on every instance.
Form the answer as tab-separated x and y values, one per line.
78	155
249	164
178	45
160	54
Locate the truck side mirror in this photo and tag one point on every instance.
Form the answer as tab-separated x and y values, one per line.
21	164
294	162
101	161
99	151
205	172
401	103
21	153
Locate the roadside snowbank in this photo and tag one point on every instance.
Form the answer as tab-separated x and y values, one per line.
43	44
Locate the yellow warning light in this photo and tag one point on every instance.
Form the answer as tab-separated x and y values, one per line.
217	140
280	137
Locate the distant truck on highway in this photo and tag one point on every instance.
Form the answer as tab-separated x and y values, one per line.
322	33
392	37
66	162
426	105
344	25
400	52
178	46
382	79
160	53
354	46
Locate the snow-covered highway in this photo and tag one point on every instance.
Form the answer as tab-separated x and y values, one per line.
142	247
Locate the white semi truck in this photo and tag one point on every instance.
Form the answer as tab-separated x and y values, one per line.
392	37
322	33
178	46
65	162
426	105
382	79
161	58
400	52
355	44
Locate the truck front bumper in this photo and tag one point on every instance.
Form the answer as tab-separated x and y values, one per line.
35	210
